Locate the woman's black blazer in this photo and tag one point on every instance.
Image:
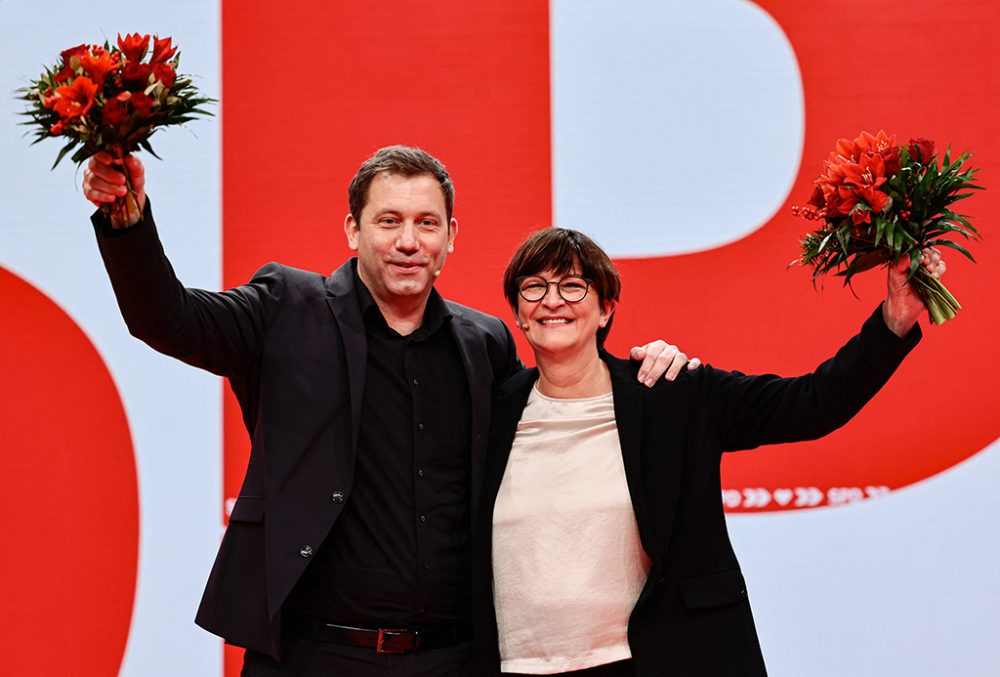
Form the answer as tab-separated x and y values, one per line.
693	616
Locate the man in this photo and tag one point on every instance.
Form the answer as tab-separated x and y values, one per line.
367	398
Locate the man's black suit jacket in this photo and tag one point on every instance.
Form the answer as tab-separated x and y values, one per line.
693	616
293	346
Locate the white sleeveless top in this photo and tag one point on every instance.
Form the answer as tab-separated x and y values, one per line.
567	563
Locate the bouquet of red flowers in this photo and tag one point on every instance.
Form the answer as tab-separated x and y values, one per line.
112	98
880	202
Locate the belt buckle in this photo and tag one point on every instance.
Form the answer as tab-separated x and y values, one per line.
399	632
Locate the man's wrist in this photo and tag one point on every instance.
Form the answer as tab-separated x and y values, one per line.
900	321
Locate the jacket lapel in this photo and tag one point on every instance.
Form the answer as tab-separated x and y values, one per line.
508	405
479	375
628	397
342	299
646	421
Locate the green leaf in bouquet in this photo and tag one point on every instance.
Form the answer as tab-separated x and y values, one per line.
906	237
954	245
868	260
823	243
844	236
915	257
148	148
84	153
880	226
65	149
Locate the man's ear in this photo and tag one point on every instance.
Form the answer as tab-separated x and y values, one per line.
351	228
452	231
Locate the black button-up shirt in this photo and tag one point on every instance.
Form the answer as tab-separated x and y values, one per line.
399	555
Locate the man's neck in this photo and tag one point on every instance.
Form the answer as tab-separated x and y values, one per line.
406	316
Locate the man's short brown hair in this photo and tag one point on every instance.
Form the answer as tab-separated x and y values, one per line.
402	160
560	250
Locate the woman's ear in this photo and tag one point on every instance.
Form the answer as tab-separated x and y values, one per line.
517	319
607	312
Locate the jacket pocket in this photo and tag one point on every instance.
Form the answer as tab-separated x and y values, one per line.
248	509
712	590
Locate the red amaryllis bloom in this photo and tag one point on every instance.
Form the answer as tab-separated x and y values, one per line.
67	58
861	183
57	128
162	51
135	76
97	66
875	143
921	150
165	73
76	99
143	104
114	112
845	151
133	46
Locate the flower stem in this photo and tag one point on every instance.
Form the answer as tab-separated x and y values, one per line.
941	305
127	204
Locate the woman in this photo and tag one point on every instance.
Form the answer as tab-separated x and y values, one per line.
602	538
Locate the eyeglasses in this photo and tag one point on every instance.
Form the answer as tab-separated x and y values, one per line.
572	289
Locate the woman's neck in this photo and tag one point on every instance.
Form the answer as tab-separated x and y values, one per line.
582	375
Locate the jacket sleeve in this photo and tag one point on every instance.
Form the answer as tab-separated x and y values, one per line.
217	331
768	409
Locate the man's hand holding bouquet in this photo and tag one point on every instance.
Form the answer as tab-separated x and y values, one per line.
107	101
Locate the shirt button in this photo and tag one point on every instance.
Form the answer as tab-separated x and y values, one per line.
420	472
337	497
420	426
427	565
306	551
416	381
423	518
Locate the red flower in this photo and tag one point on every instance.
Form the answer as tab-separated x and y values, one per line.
818	199
135	76
143	104
67	58
114	112
165	73
57	128
891	160
98	66
76	99
861	181
68	54
877	143
162	51
133	46
921	150
857	218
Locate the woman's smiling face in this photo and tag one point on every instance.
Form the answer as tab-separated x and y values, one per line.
553	325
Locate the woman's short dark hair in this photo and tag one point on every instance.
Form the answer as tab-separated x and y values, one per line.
402	160
560	250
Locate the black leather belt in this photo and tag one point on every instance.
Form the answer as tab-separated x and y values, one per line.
381	640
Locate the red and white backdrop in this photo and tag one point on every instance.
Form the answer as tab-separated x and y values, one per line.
677	133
